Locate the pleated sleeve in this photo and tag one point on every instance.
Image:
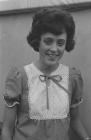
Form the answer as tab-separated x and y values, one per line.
13	88
77	88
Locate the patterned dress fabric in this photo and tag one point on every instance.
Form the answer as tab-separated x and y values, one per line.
43	101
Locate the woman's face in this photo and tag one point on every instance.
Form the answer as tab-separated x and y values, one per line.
52	48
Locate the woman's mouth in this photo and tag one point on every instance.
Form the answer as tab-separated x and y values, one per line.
52	56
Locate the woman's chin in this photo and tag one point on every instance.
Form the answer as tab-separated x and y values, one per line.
51	63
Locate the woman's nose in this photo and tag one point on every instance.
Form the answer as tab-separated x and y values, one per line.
54	47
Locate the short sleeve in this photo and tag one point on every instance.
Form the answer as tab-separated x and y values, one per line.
13	88
77	88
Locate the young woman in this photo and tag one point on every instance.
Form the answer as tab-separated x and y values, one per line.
42	98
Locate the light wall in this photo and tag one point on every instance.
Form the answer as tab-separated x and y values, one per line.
23	4
14	51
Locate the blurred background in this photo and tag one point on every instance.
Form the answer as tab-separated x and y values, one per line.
15	23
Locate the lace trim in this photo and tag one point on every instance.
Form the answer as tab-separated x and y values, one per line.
77	104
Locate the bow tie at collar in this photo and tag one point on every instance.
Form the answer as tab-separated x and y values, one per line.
56	79
44	78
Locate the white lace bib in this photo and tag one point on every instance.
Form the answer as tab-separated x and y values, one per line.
58	97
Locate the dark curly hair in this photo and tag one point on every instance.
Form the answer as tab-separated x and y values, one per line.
53	20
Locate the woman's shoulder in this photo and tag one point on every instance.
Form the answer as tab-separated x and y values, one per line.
76	77
74	72
13	72
17	72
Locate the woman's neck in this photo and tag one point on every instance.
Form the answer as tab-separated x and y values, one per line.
46	69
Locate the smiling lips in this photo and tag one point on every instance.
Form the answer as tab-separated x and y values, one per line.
52	55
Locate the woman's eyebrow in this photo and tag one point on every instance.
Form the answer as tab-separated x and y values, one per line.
48	38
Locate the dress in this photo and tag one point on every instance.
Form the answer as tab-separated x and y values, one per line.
43	102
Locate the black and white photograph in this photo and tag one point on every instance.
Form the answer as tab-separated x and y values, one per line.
45	69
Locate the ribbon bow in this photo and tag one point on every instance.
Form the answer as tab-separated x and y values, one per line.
44	78
56	79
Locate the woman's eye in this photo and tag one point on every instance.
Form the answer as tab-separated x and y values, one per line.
60	42
48	41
